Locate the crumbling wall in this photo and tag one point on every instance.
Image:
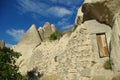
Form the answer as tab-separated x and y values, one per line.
106	12
68	59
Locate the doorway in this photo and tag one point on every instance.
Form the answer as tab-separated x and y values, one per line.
102	45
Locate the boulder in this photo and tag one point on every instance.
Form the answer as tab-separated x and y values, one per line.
97	11
79	18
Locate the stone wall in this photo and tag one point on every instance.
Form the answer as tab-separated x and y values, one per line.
98	70
69	58
76	56
107	14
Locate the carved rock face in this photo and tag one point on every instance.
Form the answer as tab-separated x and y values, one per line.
97	11
100	10
107	12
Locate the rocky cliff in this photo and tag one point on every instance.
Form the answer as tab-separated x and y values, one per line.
68	58
30	41
76	56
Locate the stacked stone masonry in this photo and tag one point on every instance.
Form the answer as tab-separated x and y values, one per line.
75	56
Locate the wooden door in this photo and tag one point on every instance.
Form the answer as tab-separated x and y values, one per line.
102	45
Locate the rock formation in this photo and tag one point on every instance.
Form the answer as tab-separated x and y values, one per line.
30	41
41	32
81	54
106	12
53	28
66	58
2	44
26	45
46	30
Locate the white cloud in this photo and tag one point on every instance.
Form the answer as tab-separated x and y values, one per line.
16	34
64	24
59	11
67	27
32	6
43	8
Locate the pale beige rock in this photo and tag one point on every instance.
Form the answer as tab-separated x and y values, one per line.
94	1
76	56
41	32
47	30
28	37
26	45
115	45
79	17
2	44
53	28
65	58
107	12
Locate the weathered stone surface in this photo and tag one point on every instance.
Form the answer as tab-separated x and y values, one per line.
76	56
115	45
68	58
28	37
101	10
47	30
53	28
97	11
94	1
105	12
80	14
26	45
2	44
41	32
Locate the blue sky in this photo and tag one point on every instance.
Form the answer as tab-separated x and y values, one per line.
16	16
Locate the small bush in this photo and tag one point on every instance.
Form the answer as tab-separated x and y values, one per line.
107	65
55	35
34	74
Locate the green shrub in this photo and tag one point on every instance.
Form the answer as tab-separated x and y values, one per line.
8	68
55	35
107	65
